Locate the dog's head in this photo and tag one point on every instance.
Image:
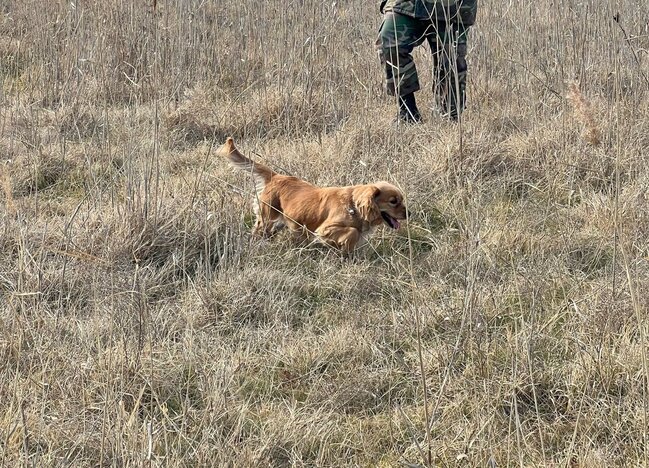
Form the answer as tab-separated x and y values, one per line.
380	203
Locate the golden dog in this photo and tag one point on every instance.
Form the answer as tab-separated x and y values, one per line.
337	216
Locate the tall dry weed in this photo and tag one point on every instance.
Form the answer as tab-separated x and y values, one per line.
7	190
584	113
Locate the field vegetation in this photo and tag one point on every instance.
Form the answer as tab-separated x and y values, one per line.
141	325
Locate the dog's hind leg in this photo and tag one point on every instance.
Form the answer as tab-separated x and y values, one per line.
269	220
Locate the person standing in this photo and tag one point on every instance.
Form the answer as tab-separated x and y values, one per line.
444	24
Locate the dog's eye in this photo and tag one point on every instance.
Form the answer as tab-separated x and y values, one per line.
393	201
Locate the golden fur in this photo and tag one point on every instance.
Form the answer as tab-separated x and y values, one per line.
338	216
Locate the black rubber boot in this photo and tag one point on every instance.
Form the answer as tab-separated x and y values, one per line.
408	112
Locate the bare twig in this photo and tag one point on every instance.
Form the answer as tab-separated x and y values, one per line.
617	20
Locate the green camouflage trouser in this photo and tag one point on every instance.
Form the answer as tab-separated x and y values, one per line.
400	34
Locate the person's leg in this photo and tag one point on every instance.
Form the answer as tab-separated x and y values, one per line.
399	34
449	46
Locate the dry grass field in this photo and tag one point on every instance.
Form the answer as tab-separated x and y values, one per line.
141	325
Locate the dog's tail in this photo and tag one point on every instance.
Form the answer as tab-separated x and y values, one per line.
261	173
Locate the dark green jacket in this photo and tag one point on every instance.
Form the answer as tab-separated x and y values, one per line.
455	11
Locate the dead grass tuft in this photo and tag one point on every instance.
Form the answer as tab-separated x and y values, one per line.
205	113
38	172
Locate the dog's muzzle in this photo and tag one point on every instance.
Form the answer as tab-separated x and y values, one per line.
390	221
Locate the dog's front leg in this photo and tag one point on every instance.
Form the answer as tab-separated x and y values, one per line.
343	237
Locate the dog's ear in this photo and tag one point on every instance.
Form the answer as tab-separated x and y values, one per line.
364	200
